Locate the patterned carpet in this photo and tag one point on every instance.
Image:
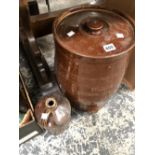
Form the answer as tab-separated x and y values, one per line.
108	132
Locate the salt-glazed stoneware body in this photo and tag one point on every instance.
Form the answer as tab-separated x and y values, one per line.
53	113
93	46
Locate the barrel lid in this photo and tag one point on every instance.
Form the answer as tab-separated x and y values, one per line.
94	32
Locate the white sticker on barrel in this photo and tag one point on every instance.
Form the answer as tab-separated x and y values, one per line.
44	116
70	33
109	47
93	2
119	35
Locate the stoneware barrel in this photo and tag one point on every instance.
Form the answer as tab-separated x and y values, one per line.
92	53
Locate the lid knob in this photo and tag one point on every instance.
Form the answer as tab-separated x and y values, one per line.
95	24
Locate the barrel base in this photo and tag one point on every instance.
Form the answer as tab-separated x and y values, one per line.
85	108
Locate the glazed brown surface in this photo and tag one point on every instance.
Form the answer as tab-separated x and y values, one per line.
87	32
59	113
88	82
90	77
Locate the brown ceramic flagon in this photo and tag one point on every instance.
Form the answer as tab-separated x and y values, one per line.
92	52
53	113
